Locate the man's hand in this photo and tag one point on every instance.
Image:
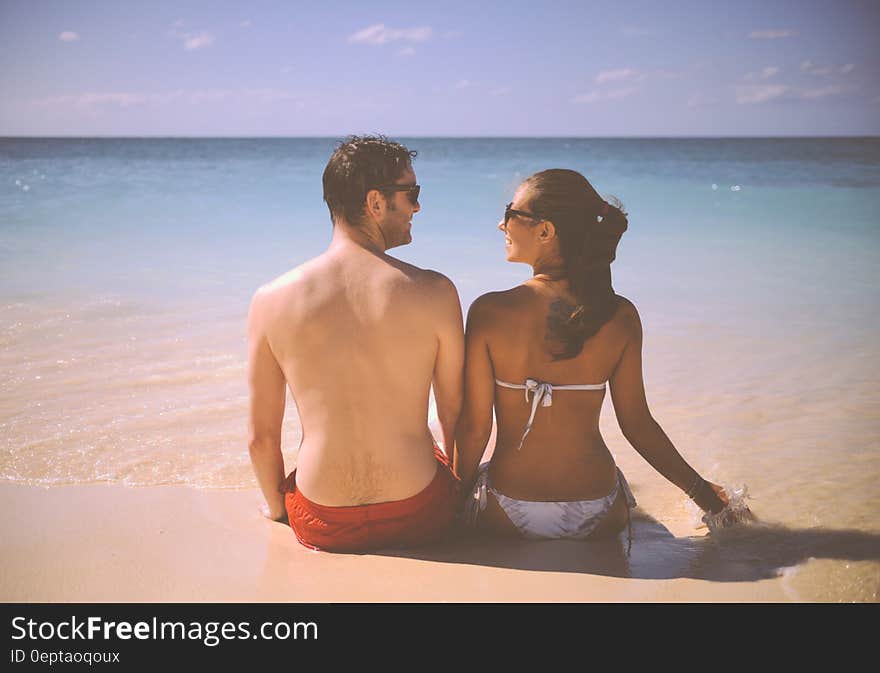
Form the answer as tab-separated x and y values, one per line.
280	518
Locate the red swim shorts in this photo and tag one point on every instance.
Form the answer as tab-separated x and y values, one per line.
419	519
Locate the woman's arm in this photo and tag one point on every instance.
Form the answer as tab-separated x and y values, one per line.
475	423
640	428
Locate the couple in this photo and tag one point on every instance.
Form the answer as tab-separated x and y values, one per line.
360	337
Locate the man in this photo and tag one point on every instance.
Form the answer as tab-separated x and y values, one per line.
359	337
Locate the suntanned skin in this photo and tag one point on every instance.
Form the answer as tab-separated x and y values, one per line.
359	337
564	456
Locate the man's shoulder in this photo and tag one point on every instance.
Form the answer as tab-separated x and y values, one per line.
290	279
437	282
282	292
425	279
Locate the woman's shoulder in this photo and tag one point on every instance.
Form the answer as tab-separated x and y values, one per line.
490	307
627	315
501	299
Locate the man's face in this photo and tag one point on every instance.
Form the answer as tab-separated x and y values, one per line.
398	220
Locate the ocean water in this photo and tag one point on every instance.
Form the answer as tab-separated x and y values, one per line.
127	266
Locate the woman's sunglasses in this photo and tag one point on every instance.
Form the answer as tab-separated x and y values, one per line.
412	191
510	212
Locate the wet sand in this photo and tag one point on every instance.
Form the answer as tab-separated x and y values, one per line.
115	543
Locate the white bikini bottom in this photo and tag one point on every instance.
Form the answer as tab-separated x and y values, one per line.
573	519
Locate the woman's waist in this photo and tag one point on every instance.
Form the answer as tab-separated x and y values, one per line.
553	472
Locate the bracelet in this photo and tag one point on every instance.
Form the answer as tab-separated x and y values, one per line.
693	490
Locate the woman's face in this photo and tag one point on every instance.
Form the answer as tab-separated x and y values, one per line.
520	230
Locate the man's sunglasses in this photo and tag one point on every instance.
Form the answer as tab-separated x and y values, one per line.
412	191
510	212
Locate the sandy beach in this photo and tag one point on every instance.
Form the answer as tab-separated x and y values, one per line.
91	543
123	383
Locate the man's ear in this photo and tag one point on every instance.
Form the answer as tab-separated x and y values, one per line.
375	202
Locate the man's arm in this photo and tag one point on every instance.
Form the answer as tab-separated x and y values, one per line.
449	364
475	425
267	398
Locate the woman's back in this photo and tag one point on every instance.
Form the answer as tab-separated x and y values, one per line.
563	457
540	356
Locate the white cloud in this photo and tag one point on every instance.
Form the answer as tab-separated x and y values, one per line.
824	70
406	51
124	99
190	40
771	34
463	84
379	34
92	99
197	40
632	75
750	95
247	23
68	36
595	96
814	69
267	95
200	96
263	96
622	74
766	73
822	92
500	91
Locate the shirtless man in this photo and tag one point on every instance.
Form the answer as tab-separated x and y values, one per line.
359	337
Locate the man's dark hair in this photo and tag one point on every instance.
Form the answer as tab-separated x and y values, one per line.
359	164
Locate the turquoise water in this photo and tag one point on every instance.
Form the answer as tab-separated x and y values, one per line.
156	219
126	268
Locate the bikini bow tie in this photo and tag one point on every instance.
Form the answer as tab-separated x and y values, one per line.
543	392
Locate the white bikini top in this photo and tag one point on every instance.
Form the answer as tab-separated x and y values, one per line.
543	394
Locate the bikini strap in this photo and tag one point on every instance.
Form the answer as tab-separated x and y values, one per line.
479	498
542	394
626	498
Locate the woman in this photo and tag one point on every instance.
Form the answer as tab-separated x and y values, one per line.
541	353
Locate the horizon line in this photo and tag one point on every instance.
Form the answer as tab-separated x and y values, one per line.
442	137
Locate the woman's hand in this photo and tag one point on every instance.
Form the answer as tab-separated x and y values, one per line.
730	515
711	497
720	492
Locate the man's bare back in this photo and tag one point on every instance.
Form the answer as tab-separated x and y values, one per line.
357	334
359	338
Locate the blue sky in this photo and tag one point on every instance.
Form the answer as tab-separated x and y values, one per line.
439	69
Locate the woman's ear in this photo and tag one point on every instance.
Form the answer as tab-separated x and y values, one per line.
548	231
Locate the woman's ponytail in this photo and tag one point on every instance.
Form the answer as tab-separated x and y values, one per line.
589	230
